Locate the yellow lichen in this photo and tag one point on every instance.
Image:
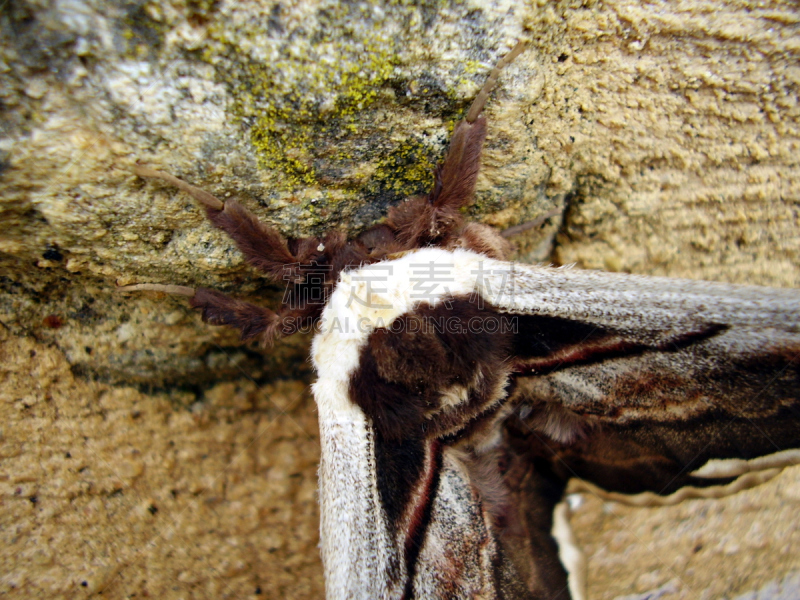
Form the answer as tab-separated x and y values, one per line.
405	171
295	103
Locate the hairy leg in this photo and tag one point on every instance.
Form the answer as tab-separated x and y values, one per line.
218	309
262	246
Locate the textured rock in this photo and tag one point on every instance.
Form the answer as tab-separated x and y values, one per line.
698	549
171	495
317	115
785	589
666	135
686	141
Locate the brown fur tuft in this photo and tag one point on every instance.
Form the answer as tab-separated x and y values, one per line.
406	370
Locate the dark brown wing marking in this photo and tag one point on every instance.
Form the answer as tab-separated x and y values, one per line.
654	418
630	411
426	376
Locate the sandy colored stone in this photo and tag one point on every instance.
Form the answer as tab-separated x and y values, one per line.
143	452
697	549
684	160
170	495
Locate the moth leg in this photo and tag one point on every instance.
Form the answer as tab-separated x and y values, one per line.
262	246
528	225
434	220
455	179
178	290
218	309
250	319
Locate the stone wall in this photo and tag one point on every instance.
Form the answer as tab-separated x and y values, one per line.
143	452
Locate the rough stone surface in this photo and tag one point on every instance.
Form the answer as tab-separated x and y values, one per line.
143	452
785	589
170	495
698	549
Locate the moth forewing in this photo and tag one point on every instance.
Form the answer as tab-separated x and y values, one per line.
646	371
440	515
665	374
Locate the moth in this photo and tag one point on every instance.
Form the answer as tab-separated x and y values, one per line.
459	393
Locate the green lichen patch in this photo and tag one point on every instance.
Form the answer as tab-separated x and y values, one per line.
308	94
310	90
405	171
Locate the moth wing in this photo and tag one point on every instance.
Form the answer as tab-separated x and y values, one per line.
632	383
461	441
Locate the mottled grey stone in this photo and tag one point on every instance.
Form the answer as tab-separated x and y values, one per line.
787	588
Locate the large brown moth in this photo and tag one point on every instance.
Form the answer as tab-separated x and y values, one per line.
459	394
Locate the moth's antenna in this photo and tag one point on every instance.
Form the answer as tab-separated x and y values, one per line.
202	196
180	290
480	100
523	227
